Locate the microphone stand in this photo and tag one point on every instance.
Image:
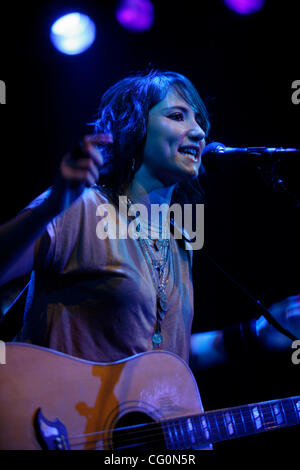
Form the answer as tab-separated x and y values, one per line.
272	179
266	313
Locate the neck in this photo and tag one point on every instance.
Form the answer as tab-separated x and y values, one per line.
146	190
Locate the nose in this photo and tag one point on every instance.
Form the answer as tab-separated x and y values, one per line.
196	133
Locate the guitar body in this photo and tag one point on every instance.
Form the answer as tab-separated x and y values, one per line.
91	400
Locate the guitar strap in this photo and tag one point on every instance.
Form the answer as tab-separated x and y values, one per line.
12	297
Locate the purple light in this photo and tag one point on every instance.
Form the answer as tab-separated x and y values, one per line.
244	7
135	15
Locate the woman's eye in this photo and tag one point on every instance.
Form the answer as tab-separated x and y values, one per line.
176	116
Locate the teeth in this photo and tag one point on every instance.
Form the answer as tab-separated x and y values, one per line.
189	151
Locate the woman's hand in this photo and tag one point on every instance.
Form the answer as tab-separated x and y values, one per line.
287	313
77	170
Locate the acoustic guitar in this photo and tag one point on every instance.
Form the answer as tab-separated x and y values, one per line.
49	400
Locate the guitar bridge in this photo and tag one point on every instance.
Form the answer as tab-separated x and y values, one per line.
51	435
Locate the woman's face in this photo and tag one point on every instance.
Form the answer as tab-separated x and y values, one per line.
174	140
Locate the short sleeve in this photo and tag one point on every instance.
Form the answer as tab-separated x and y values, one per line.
45	245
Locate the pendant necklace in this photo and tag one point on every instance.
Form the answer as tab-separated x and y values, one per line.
157	253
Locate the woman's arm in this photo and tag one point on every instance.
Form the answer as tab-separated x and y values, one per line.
287	313
207	350
214	348
18	237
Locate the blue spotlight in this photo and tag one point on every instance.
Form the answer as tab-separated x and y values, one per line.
73	33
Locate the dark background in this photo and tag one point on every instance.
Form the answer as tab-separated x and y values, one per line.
243	67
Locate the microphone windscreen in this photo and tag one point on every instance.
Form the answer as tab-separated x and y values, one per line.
213	147
211	156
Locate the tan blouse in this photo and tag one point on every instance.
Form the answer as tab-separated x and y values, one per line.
95	299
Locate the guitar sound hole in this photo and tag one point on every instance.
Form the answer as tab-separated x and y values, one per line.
143	432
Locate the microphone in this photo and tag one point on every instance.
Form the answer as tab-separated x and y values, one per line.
216	152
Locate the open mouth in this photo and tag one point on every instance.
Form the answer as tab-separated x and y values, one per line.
190	151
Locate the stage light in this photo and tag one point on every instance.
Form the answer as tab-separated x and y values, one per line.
135	15
245	7
73	33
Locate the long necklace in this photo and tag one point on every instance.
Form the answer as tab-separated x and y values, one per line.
158	267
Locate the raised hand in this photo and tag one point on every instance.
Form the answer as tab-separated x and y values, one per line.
78	170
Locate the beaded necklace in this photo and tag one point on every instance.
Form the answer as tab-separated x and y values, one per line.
157	254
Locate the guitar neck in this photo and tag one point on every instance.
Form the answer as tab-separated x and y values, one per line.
231	423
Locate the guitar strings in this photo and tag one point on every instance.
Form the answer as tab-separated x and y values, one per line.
212	429
177	421
234	413
126	441
146	440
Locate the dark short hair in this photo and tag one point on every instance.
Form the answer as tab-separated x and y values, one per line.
124	110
